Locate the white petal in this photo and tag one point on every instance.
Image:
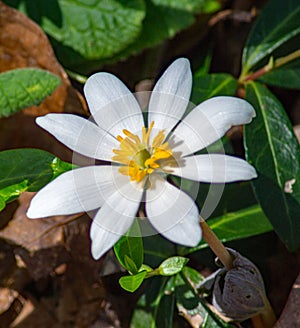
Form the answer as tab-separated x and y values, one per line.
112	105
170	96
76	191
80	135
114	218
172	212
208	122
214	168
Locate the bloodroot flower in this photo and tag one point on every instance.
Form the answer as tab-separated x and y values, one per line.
137	157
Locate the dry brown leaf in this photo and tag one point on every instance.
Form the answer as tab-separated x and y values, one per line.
10	306
30	234
24	44
39	243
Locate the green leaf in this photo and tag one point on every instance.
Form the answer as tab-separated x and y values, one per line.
2	203
155	308
273	149
130	265
87	29
156	249
172	265
132	283
24	87
277	23
287	76
165	18
12	192
129	249
27	170
206	86
244	223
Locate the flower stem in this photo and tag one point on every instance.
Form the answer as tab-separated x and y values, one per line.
267	315
216	245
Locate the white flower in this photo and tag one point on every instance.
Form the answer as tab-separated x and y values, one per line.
141	158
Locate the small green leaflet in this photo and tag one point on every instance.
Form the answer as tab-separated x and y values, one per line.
172	265
24	87
129	249
132	283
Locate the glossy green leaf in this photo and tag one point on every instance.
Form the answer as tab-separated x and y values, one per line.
287	76
2	203
129	249
24	87
206	86
130	265
87	29
132	283
277	23
155	308
248	222
157	249
273	149
27	170
172	265
165	18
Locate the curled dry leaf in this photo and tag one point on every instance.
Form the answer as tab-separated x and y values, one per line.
11	304
36	240
24	44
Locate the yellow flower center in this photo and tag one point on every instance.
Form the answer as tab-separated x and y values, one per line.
138	156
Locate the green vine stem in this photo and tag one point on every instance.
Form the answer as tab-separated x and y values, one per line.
270	66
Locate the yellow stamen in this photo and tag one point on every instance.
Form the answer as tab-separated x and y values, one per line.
138	156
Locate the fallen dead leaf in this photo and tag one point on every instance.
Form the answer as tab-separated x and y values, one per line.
10	306
24	44
39	243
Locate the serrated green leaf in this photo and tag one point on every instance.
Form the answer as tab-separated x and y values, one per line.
244	223
130	249
24	87
273	149
26	170
206	86
172	265
132	283
287	76
277	23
